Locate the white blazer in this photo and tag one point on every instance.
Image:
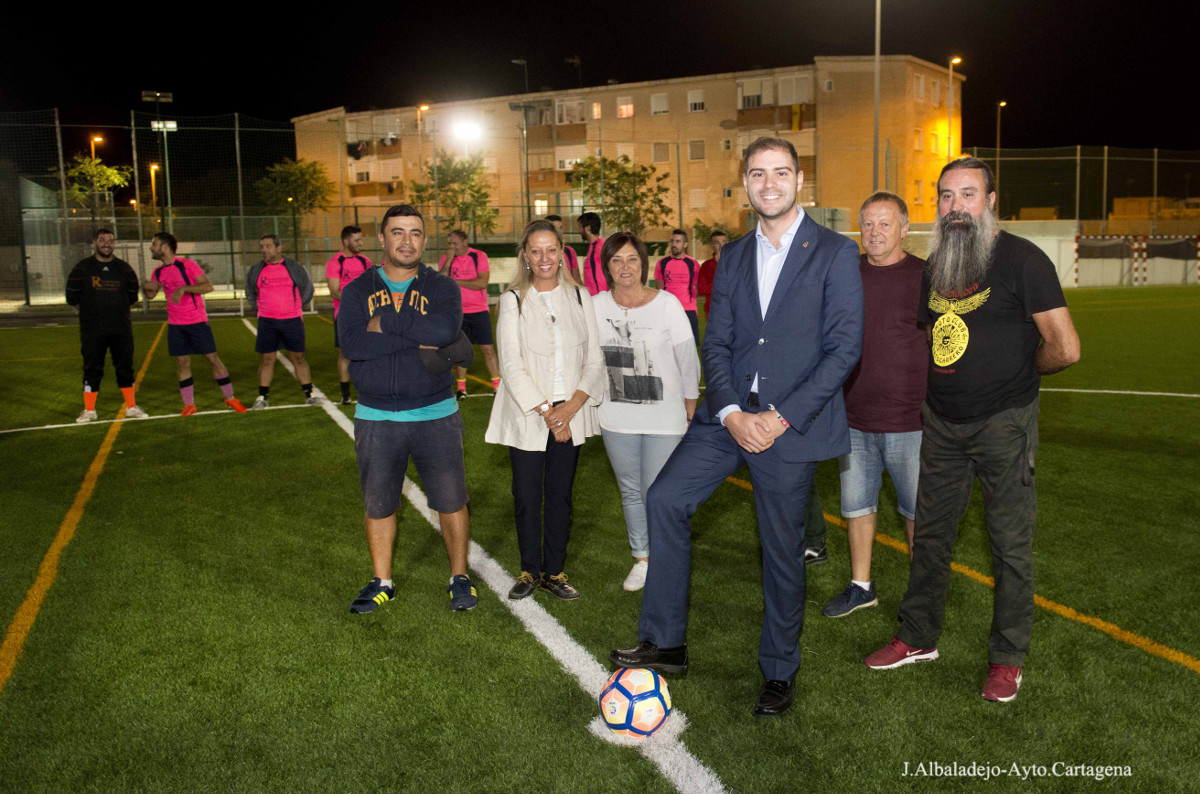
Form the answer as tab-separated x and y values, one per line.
525	345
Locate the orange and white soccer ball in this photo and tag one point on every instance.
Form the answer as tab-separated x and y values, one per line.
635	702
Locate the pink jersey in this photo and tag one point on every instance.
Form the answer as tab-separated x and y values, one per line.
278	298
679	277
470	265
345	269
593	270
189	309
571	259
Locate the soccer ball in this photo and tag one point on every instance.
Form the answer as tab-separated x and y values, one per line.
635	702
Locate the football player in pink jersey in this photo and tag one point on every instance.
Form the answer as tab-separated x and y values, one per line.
469	268
342	268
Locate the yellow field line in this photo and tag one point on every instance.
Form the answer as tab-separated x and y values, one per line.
22	622
487	383
326	319
1111	629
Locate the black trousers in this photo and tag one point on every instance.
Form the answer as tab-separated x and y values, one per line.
541	488
95	346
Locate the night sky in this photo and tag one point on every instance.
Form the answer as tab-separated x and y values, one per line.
1092	73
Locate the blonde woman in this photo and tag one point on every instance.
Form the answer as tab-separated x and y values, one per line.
552	379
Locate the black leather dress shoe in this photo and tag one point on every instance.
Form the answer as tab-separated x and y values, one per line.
775	698
647	654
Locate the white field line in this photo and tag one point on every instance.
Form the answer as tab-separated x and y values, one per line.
679	766
1133	393
95	422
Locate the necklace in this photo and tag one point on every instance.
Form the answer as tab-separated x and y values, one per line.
640	299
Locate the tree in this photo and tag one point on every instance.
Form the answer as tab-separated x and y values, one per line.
701	231
302	181
88	177
628	196
460	188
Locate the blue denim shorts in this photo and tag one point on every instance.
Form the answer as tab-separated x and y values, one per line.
862	471
436	447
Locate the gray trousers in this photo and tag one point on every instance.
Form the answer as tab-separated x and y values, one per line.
999	450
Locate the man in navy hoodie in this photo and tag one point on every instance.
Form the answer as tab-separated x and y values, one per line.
392	321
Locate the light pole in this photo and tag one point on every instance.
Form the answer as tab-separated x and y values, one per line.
524	108
154	189
524	64
999	106
950	111
95	140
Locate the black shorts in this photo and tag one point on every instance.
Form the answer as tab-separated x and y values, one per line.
336	342
478	328
276	335
436	447
187	340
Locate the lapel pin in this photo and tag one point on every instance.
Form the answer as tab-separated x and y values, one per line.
804	244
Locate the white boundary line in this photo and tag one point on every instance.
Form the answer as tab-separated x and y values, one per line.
674	761
1134	393
95	422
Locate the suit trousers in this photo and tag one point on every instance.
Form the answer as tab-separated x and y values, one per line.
541	486
701	462
999	450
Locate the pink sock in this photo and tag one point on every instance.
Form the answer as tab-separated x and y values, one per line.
226	388
187	392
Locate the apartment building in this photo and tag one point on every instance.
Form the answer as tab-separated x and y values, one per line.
694	128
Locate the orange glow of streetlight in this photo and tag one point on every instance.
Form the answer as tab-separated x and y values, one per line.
95	140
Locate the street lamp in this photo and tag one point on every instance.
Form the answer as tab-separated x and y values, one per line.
950	110
95	140
524	64
467	132
999	106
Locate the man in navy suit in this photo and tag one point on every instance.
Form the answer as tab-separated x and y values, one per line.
784	332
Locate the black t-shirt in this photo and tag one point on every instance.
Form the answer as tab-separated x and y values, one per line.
982	357
103	291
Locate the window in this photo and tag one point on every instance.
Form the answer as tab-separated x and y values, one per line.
918	135
595	110
566	157
660	152
828	86
794	90
727	193
696	149
541	206
916	191
696	101
698	199
919	86
658	105
756	93
362	176
933	143
568	110
726	145
626	150
936	90
624	107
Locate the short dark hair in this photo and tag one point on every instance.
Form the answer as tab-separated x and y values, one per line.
764	143
169	239
590	221
350	231
553	218
272	237
717	233
680	231
101	231
401	211
616	242
885	195
459	233
989	179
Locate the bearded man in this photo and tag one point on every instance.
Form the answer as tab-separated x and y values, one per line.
998	321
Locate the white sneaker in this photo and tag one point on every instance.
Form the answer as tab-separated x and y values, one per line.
135	413
636	579
86	416
260	403
314	400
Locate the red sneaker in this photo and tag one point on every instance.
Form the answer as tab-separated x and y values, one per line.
236	404
189	409
897	654
1002	683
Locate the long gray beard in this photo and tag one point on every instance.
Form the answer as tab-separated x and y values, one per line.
961	253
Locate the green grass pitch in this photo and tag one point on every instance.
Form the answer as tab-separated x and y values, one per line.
197	636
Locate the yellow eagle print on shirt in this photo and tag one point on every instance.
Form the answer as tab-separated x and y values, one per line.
950	333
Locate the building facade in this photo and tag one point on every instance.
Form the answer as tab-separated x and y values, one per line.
694	128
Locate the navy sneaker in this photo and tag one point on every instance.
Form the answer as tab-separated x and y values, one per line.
462	594
371	596
852	598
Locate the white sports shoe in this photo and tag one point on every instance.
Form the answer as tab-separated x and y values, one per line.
135	413
86	416
314	400
260	403
636	579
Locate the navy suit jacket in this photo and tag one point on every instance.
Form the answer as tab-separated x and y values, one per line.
803	349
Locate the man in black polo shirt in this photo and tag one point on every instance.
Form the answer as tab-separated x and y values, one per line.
998	322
